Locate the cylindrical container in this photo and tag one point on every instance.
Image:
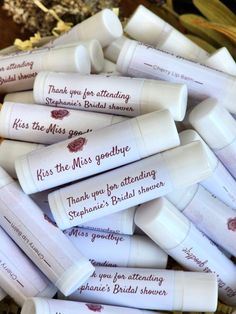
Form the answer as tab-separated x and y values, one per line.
18	71
121	222
109	68
104	26
206	212
220	183
140	60
97	151
19	277
2	294
110	94
110	249
25	97
150	289
44	243
11	150
112	51
186	244
218	128
49	125
129	185
50	306
221	60
157	32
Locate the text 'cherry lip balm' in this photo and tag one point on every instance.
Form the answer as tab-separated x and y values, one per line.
129	185
154	289
20	278
175	234
97	151
110	94
50	306
44	243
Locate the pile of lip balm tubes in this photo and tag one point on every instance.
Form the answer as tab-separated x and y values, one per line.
105	171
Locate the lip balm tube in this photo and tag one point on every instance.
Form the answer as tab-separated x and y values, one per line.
156	32
109	68
104	26
218	128
220	183
121	222
122	95
140	60
152	289
222	60
176	235
11	150
2	294
22	97
50	306
206	212
44	243
110	249
49	125
20	278
96	151
129	185
18	71
112	51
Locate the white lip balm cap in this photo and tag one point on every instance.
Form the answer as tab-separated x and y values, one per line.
222	60
189	136
10	150
158	132
75	276
125	55
4	178
151	29
162	222
128	225
145	253
187	157
77	59
25	97
164	95
96	56
112	51
104	26
178	43
214	123
181	197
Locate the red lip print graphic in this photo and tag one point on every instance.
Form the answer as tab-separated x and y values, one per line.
77	144
95	307
232	224
59	114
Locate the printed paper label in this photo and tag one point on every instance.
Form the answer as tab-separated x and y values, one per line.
114	191
83	156
228	157
114	95
48	125
102	249
43	242
202	82
198	253
214	218
222	185
142	288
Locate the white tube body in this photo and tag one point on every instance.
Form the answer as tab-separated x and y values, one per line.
149	289
128	186
2	294
139	60
18	71
44	243
49	125
187	245
110	249
50	306
110	94
25	97
19	277
96	152
206	212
